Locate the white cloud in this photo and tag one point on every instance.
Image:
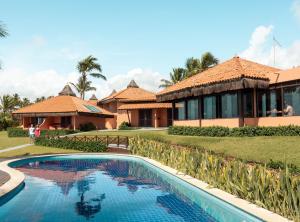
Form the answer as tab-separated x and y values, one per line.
32	85
260	49
296	9
50	82
145	78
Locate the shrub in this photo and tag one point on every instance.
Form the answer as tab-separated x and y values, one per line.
277	190
19	132
124	126
87	127
217	131
127	126
70	143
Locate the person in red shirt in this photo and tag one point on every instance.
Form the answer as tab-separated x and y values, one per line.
37	131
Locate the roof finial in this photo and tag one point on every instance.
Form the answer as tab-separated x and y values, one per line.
132	84
93	97
67	91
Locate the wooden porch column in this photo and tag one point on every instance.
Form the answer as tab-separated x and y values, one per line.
254	103
74	122
156	125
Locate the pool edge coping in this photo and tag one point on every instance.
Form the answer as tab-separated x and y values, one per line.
17	178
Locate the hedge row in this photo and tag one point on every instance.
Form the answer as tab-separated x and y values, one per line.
219	131
69	143
19	132
277	191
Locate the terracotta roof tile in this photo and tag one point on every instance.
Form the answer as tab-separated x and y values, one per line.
229	70
62	104
285	75
131	94
145	106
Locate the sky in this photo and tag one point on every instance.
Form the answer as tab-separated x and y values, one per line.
134	39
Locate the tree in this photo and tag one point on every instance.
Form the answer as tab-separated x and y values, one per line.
7	104
40	99
193	66
83	86
176	75
25	102
3	32
207	61
85	67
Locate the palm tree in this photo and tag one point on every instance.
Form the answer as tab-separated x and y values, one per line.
207	61
193	66
88	66
83	86
176	75
3	32
25	102
7	104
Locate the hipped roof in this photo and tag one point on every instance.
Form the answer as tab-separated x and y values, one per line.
230	70
285	75
63	104
132	93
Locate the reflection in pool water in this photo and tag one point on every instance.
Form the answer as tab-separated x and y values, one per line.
109	189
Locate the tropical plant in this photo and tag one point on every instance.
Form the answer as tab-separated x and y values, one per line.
176	75
7	104
83	86
40	99
193	66
3	33
275	190
85	67
25	102
207	61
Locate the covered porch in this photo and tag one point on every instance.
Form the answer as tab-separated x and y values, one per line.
146	114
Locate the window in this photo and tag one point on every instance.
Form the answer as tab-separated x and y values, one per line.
193	109
269	103
209	107
229	108
248	103
180	110
291	99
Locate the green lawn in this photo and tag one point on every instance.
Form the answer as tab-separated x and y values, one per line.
260	149
35	150
6	141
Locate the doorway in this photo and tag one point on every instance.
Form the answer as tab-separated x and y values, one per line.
145	117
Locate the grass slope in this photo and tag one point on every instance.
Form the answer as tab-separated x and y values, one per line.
259	149
6	141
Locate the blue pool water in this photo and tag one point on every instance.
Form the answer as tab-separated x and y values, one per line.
108	188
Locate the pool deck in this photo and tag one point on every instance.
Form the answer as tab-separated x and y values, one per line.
16	178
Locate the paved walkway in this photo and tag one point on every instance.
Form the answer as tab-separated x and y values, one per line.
15	148
4	177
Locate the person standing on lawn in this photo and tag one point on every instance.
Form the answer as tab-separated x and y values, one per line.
37	131
31	133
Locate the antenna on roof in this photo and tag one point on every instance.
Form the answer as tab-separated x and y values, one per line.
275	43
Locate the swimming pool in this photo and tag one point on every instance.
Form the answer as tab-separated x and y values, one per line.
109	188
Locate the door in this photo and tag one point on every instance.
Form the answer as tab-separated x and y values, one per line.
145	117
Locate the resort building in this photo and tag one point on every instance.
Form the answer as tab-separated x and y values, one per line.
65	111
138	107
236	93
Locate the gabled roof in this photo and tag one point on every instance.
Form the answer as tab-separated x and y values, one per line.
62	104
93	97
132	93
233	69
285	75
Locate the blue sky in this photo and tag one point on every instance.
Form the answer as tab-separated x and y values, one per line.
137	39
